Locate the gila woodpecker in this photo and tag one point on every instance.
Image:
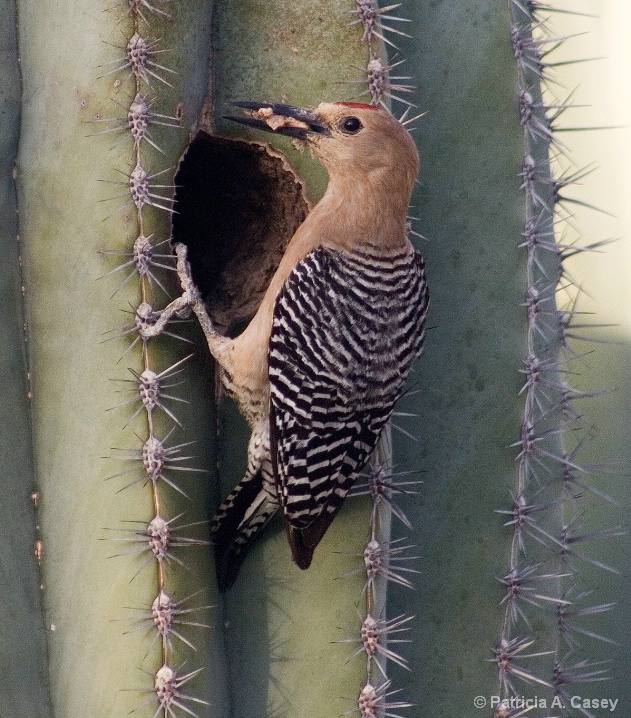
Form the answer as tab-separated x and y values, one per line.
319	368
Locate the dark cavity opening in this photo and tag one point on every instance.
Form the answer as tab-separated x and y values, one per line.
237	206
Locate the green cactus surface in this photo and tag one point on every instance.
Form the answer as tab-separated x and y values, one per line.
508	456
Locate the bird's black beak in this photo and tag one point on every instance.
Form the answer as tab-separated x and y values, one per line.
287	120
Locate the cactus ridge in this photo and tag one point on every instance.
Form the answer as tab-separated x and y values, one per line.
157	461
540	583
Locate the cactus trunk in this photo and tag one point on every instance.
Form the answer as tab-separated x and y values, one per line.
504	518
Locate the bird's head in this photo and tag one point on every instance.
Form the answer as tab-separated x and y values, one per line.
349	138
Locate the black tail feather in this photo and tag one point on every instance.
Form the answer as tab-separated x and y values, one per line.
235	525
303	541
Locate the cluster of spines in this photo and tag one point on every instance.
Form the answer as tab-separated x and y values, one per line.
155	461
377	26
545	514
383	559
382	87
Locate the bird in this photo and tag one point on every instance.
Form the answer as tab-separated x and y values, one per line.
320	366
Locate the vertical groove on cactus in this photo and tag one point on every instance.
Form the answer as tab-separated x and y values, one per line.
23	656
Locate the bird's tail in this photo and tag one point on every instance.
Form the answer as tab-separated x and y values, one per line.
304	541
244	512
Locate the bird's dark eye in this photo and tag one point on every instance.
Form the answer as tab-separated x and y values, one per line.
351	125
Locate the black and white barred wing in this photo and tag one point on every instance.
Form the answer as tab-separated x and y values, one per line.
345	331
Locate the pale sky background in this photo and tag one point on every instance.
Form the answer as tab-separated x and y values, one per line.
604	85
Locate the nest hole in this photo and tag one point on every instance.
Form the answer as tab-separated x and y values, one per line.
237	205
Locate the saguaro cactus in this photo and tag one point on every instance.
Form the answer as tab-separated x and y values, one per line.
107	604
